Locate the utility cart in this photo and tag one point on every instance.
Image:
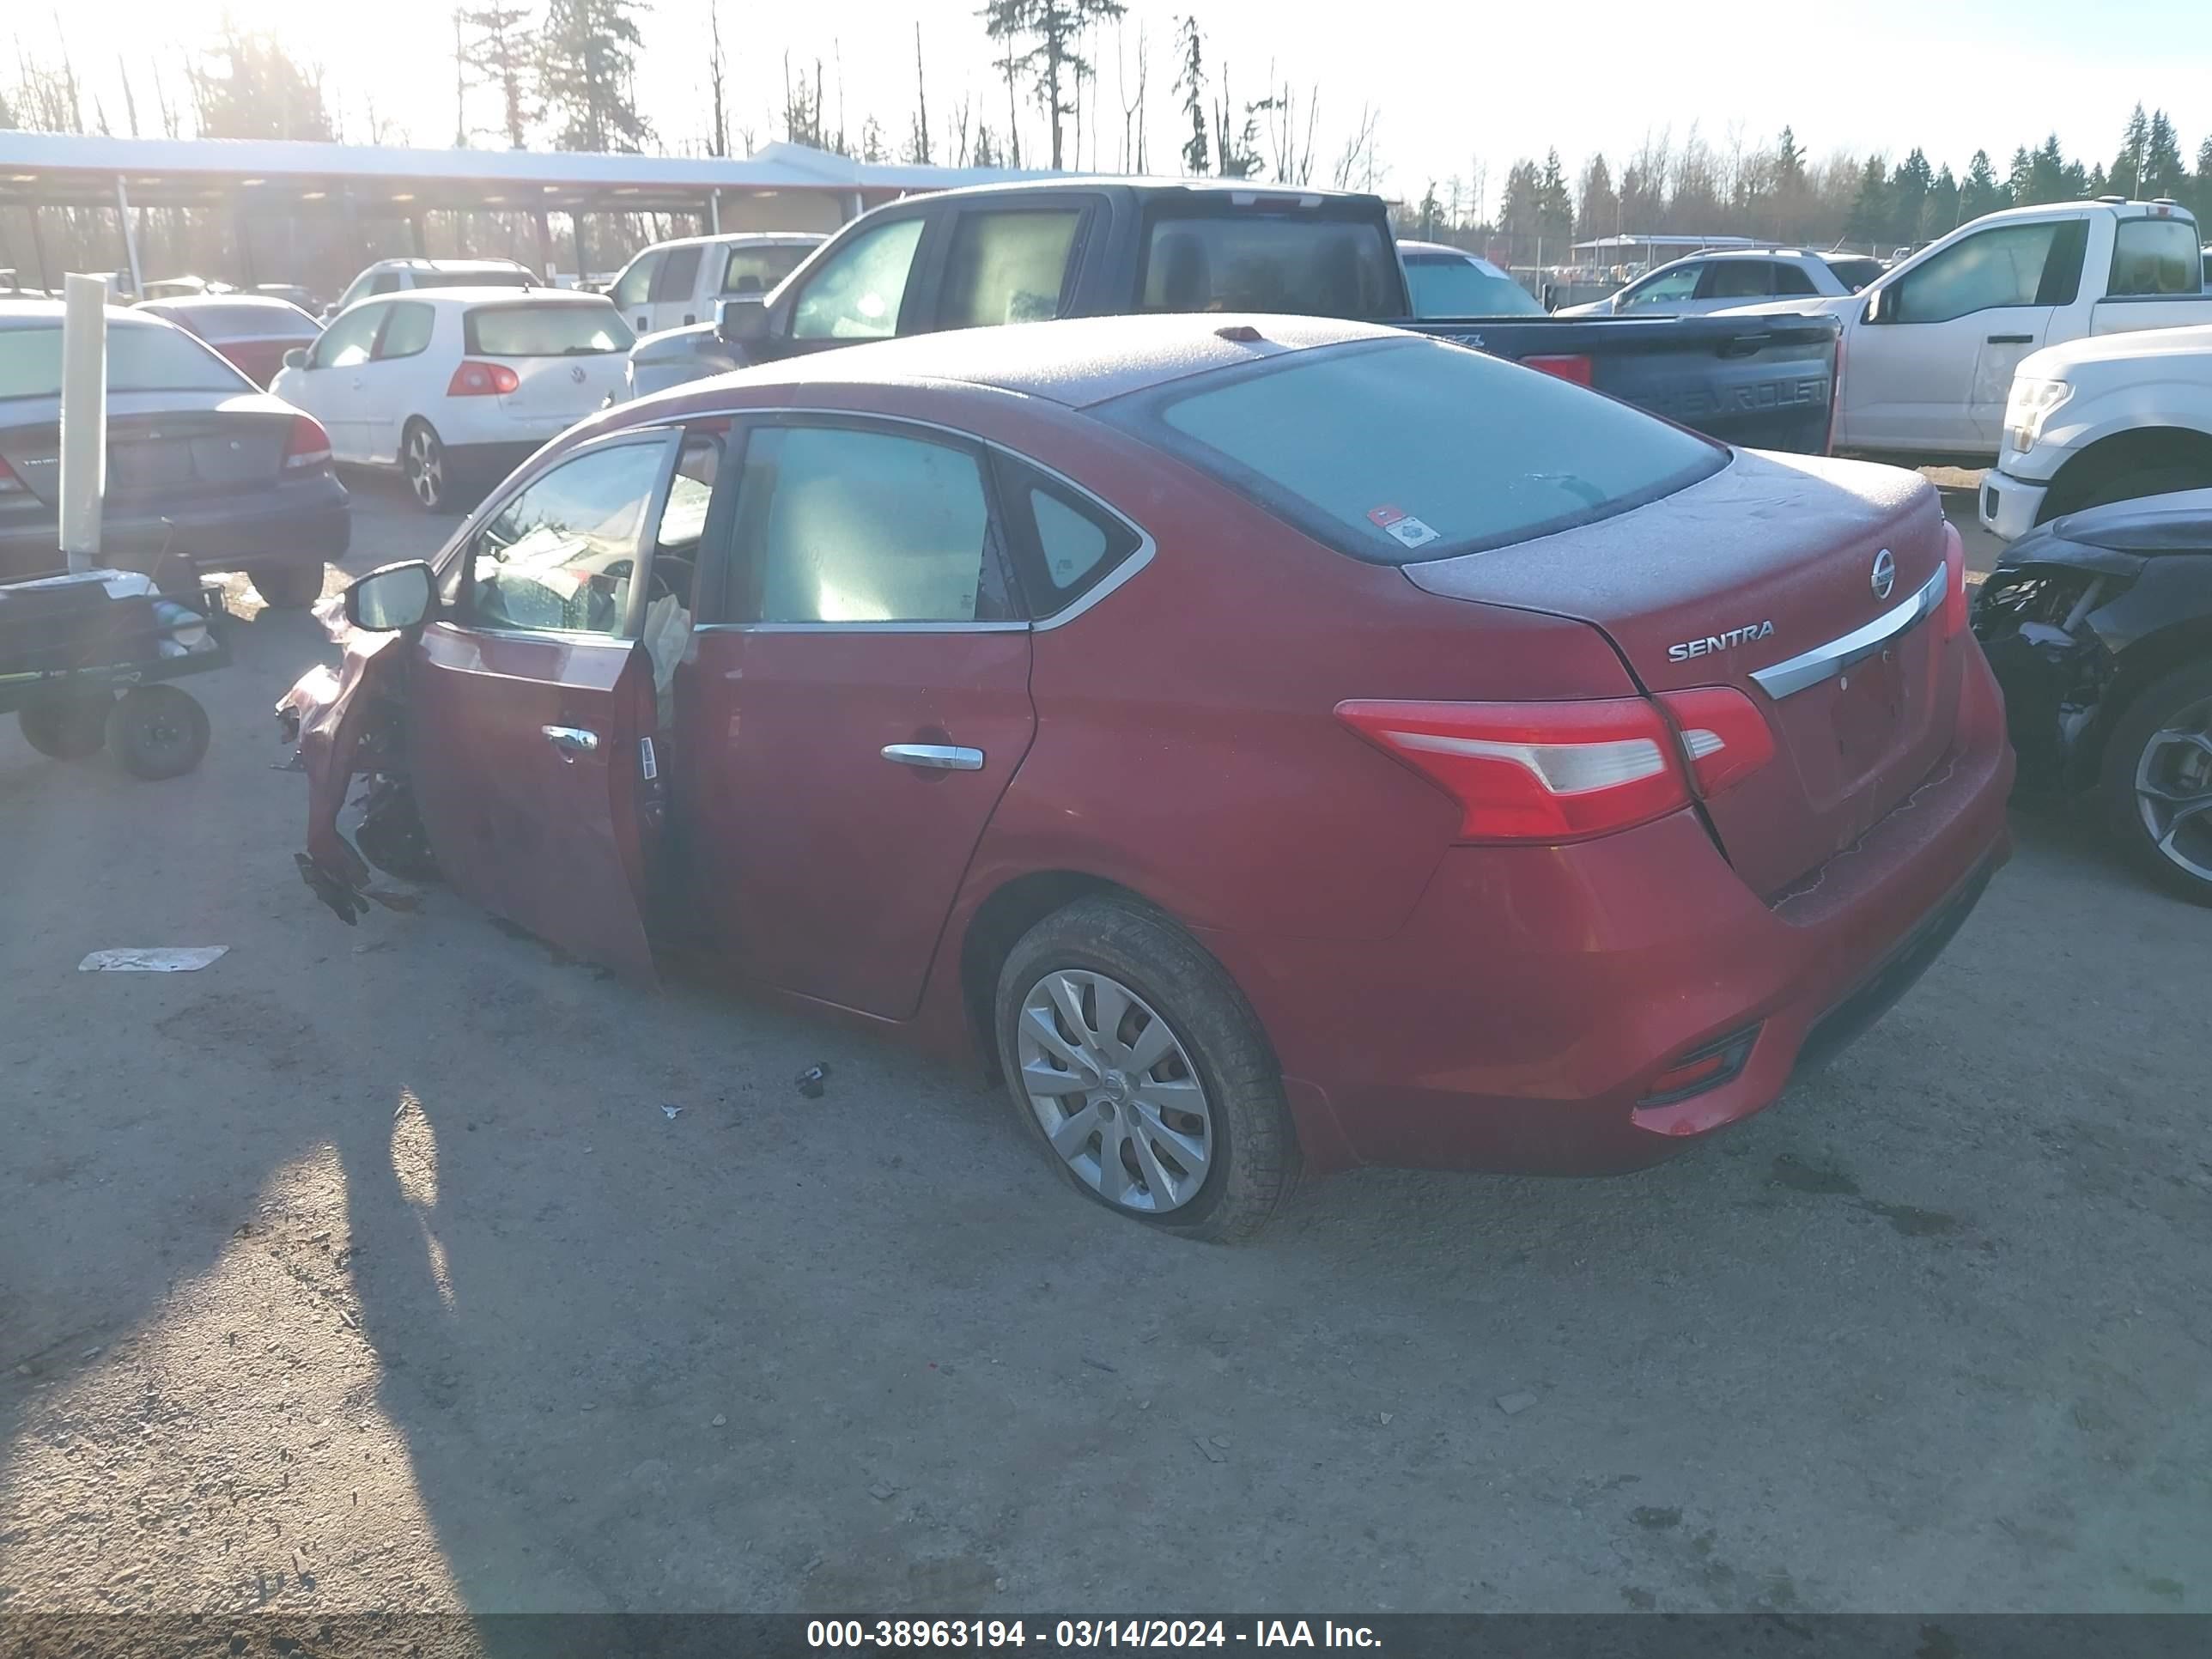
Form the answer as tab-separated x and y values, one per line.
86	662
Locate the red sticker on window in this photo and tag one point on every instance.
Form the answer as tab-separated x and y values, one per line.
1384	517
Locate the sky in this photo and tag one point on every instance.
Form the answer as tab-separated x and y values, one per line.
1456	87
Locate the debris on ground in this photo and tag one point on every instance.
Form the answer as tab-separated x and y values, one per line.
152	959
1386	1417
810	1081
669	1111
1097	1364
719	1422
1212	1455
883	1491
1518	1401
392	899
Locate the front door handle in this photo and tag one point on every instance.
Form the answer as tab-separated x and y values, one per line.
571	741
2012	339
935	757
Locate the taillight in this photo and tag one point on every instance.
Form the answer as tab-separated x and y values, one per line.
475	379
1702	1068
308	446
9	483
1535	771
1574	367
1955	584
1724	736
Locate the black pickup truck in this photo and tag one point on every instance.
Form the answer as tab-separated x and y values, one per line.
1025	252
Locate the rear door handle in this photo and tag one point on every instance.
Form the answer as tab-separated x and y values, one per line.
571	740
2012	339
935	757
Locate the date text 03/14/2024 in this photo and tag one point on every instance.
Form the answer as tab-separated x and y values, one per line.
825	1634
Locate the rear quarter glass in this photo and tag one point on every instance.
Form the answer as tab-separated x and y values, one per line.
1399	451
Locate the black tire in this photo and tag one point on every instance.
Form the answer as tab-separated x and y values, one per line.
2138	753
422	462
67	729
288	586
158	732
2133	485
1253	1160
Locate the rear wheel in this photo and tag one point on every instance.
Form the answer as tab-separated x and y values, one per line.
288	586
422	458
158	732
66	730
1130	1055
2158	780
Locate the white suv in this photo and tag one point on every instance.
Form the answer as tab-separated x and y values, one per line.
1713	282
677	284
390	276
455	387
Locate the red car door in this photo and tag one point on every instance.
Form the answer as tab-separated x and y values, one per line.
532	735
851	727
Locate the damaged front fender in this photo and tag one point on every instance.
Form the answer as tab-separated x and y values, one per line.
343	724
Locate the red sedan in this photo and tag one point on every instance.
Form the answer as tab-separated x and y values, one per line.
253	331
1271	743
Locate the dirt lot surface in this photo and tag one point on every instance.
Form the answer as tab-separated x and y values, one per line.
364	1268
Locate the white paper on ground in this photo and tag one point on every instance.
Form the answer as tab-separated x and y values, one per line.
155	959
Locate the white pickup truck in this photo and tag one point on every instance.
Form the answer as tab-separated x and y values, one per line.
1930	345
2102	420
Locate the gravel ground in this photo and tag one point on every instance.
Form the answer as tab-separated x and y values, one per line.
364	1269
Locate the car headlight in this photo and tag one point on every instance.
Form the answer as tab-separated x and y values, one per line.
2031	403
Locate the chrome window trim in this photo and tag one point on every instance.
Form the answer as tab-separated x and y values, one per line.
1823	662
1137	559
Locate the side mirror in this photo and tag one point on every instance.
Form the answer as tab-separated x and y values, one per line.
296	357
1880	308
741	319
395	597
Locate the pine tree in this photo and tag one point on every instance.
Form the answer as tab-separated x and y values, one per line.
1555	208
1055	61
2126	171
1789	164
2047	175
2020	179
500	38
1597	209
2163	172
1908	190
1939	210
252	88
1190	82
1869	216
587	73
1980	193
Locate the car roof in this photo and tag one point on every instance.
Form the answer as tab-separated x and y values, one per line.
1077	362
233	298
1149	187
745	238
463	293
1406	246
16	312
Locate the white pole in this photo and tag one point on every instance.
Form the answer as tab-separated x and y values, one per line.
84	417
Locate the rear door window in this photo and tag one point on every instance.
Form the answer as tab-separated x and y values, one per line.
1301	264
2154	256
1739	279
1007	267
839	524
544	331
1792	280
1400	450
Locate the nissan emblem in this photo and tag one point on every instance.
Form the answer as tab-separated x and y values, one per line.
1885	574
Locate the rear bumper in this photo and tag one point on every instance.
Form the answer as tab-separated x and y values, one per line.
1520	1018
309	521
2008	506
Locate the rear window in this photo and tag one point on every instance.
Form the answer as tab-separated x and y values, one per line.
1312	267
141	358
472	277
757	270
1856	274
248	323
1460	287
2155	256
544	331
1407	450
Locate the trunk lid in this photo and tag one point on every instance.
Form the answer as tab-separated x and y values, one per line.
1739	576
159	444
561	391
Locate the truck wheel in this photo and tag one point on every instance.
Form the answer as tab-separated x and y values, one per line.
2158	781
422	458
288	586
1143	1073
158	732
66	730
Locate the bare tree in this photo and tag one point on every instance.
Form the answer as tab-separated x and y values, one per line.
1132	155
461	81
1356	167
918	146
502	50
1290	151
717	72
956	133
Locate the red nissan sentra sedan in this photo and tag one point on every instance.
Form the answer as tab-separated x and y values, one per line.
253	331
1273	744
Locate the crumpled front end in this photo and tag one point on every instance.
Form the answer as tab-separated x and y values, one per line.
345	724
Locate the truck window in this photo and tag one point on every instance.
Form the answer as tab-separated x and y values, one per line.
2035	264
635	286
757	270
2154	256
1310	267
1007	267
857	293
1454	287
679	276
